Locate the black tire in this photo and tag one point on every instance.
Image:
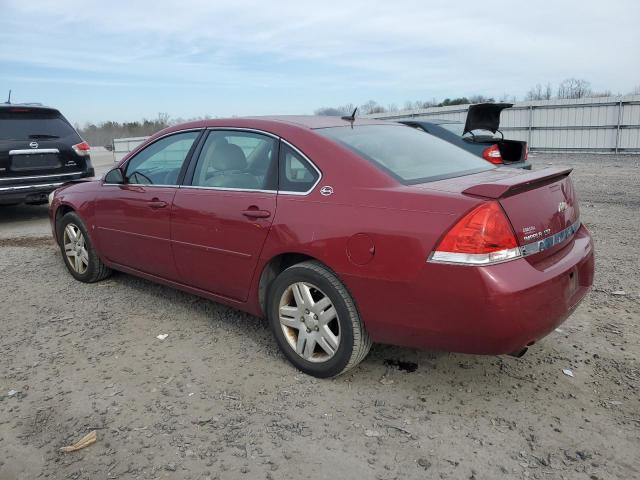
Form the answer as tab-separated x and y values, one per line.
354	340
96	270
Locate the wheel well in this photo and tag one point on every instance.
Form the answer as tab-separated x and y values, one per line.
61	212
275	267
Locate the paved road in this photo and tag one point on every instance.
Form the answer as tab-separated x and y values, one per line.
32	220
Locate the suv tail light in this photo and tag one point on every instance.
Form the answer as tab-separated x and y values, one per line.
492	154
526	151
82	149
482	237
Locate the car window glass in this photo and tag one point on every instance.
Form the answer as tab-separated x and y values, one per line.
296	174
405	153
232	159
160	162
34	125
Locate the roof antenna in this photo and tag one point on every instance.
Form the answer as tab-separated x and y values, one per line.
8	102
350	118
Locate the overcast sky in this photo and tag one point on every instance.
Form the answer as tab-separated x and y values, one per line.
124	60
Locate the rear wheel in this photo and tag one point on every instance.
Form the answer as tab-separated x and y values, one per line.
80	257
315	321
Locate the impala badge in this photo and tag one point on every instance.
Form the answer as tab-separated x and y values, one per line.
326	190
33	144
562	206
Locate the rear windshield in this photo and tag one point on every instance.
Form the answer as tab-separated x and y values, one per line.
458	128
409	155
33	125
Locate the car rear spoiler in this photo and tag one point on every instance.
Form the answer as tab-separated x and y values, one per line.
517	183
484	116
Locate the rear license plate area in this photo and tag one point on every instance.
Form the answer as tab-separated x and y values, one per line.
40	161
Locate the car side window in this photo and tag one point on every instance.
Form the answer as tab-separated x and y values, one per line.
296	174
239	160
160	162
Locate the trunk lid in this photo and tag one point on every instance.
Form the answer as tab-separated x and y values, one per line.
484	116
542	206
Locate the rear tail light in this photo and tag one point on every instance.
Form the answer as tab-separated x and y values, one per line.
482	237
82	149
492	154
526	151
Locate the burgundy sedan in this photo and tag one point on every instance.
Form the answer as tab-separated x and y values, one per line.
341	233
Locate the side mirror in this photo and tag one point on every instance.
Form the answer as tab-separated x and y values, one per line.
114	176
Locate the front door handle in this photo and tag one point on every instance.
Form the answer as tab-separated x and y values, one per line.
256	213
155	203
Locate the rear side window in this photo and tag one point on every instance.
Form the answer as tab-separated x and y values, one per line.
237	160
296	173
409	155
33	125
160	162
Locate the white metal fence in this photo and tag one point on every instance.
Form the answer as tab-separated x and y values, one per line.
122	146
604	124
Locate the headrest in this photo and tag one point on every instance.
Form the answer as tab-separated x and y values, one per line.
228	156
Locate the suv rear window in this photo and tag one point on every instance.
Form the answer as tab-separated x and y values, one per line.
17	125
409	155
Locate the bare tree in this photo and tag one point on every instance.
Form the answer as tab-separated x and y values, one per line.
635	91
372	107
335	111
540	93
574	88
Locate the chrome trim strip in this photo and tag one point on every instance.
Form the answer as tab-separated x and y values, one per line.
39	176
24	187
546	243
138	185
33	151
248	190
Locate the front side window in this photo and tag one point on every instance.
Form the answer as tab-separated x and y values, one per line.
160	162
407	154
238	160
296	174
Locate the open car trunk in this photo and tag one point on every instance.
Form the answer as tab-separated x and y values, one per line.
512	150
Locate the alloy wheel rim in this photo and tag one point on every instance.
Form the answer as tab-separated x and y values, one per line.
309	322
75	248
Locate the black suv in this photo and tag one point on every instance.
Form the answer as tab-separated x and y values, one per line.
39	151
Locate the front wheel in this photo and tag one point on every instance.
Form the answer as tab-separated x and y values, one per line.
315	321
78	252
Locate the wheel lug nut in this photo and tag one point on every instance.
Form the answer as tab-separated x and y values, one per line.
308	330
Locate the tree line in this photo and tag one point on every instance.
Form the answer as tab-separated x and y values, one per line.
570	88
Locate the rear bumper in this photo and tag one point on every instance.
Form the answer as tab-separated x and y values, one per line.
497	309
35	189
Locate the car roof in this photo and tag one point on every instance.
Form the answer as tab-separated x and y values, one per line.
30	106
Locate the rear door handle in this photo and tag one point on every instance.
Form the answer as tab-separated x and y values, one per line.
157	204
255	213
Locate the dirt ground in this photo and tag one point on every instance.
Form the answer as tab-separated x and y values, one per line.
216	399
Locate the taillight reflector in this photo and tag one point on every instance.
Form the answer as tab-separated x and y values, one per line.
483	236
492	154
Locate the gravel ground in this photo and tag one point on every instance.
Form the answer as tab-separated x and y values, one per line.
216	399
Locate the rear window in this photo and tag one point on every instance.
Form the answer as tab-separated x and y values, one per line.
409	155
458	129
33	125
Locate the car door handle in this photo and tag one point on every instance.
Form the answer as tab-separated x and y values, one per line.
157	204
256	213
